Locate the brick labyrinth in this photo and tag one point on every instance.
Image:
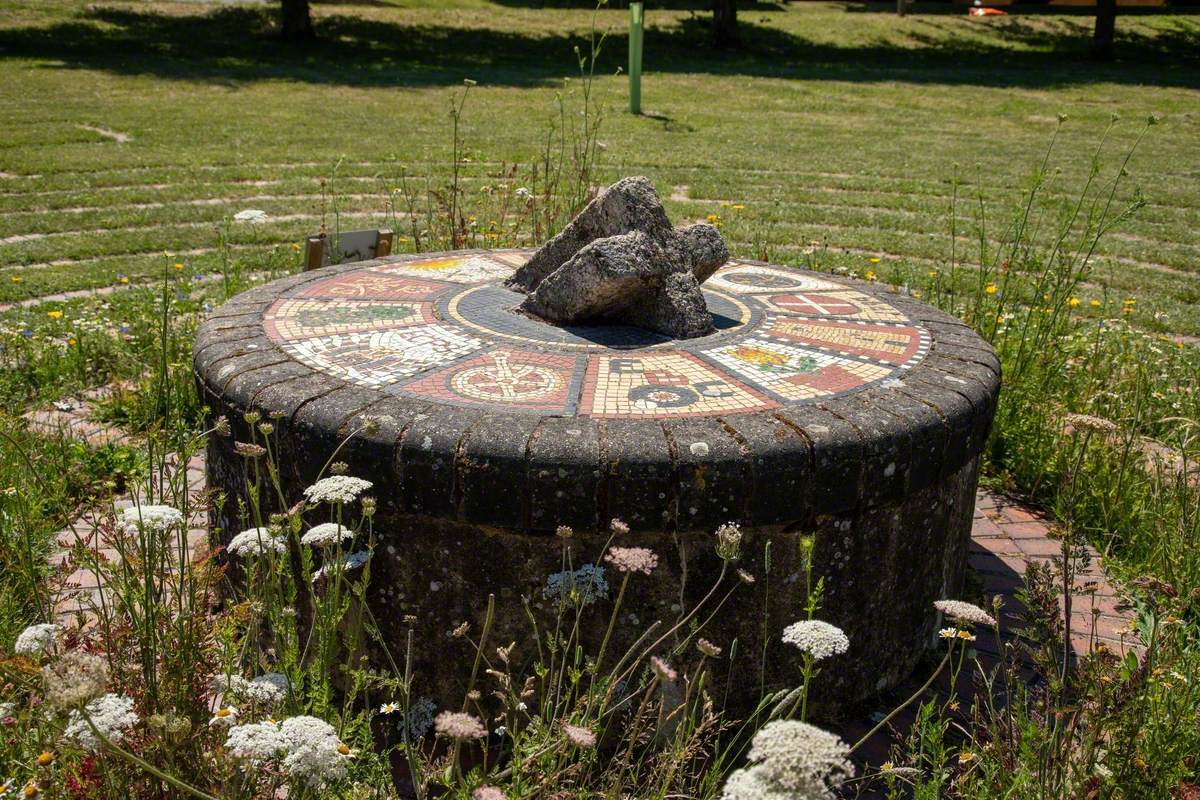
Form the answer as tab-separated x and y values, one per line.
446	330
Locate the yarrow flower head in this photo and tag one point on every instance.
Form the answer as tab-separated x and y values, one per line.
255	743
708	648
459	725
150	517
270	688
632	559
817	638
113	716
37	640
792	759
256	542
488	793
579	736
326	534
349	564
314	754
336	489
964	612
251	215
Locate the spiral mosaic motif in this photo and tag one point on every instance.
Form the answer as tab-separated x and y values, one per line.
446	330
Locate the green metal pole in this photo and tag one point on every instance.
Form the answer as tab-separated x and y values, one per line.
635	58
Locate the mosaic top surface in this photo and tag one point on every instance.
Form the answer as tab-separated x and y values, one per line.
445	330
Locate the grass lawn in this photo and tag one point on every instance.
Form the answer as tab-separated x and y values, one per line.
129	129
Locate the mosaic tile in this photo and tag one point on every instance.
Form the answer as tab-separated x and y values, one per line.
849	304
379	358
669	384
511	379
753	279
795	373
894	344
366	284
459	269
446	329
306	318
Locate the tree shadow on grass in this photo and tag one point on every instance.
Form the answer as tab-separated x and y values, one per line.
237	45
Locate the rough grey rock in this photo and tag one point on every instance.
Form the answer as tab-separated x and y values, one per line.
620	260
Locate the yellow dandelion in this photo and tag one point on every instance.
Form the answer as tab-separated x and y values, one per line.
55	314
15	279
178	265
874	259
123	279
1094	303
870	275
738	206
713	218
72	342
887	766
1074	301
933	273
990	288
916	295
296	246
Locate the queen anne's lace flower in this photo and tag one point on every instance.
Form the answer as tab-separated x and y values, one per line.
251	215
964	612
37	639
579	736
632	559
313	752
488	793
459	725
663	670
817	638
151	517
349	564
256	542
326	534
792	759
255	743
586	585
74	679
113	716
419	718
336	489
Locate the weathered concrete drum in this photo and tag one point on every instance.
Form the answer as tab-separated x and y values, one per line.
821	406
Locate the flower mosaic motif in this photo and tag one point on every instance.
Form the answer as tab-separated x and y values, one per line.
446	330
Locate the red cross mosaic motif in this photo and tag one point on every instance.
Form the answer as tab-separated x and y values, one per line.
445	330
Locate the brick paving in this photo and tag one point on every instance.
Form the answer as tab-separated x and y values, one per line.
1007	537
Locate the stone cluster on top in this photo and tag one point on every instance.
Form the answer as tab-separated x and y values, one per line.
621	261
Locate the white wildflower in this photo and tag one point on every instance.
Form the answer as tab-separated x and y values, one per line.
336	489
326	534
349	564
459	725
74	679
314	754
586	585
251	215
226	715
419	718
37	639
150	517
255	743
964	612
524	193
256	542
793	759
113	716
817	638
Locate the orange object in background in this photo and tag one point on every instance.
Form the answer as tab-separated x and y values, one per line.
986	12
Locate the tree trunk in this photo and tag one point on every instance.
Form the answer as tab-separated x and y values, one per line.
725	30
1106	25
297	21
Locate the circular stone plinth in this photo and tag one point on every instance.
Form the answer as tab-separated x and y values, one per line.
821	406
